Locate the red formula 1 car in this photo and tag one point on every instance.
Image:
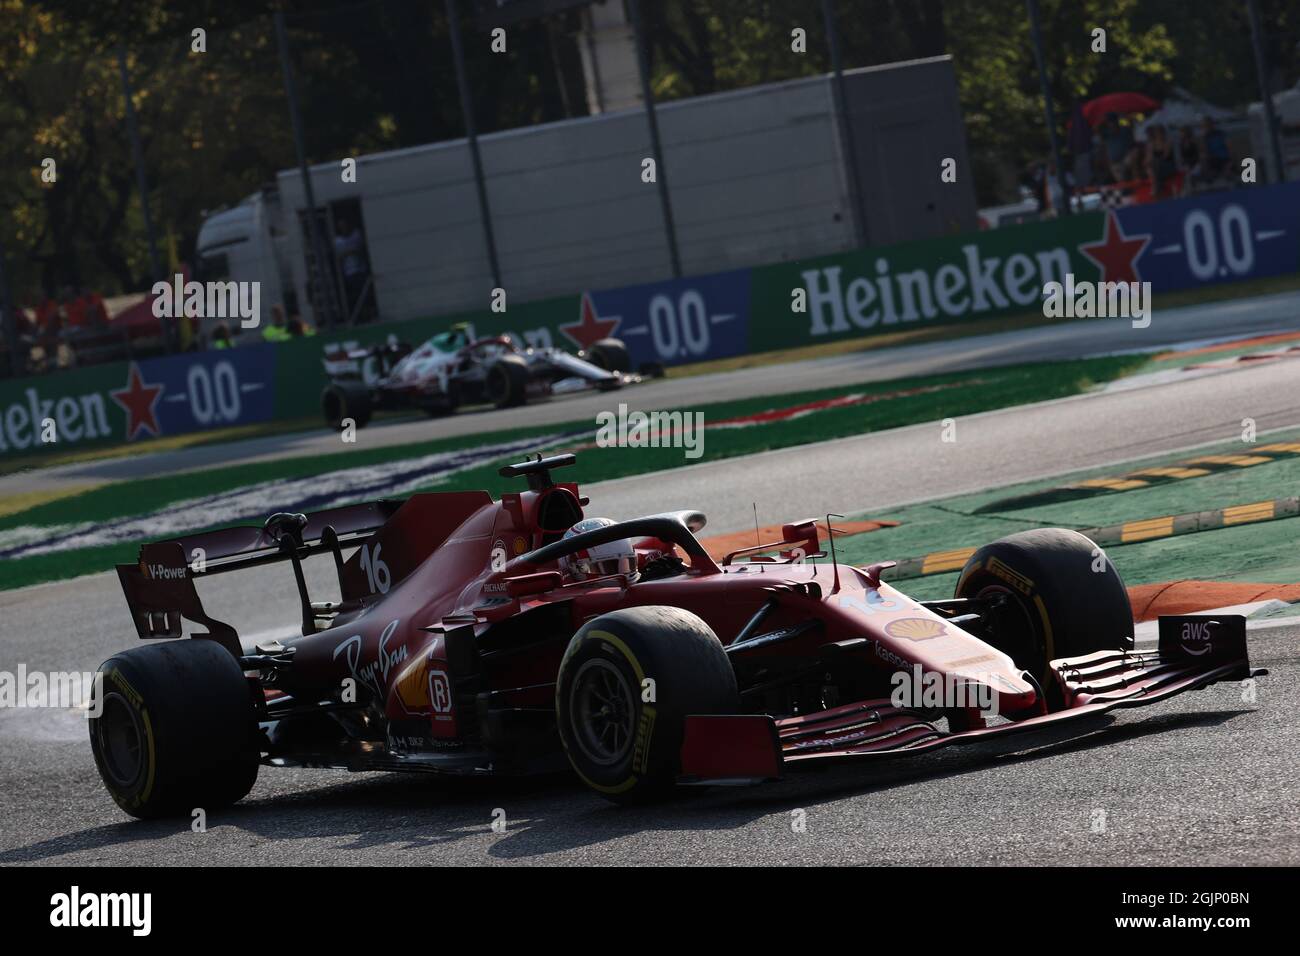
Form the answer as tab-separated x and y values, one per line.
477	636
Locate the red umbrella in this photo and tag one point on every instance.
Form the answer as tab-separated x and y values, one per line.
1094	111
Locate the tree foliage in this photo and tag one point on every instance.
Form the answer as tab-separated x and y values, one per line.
377	74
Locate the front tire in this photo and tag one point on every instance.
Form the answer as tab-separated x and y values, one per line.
507	381
609	354
624	746
176	729
1064	598
343	400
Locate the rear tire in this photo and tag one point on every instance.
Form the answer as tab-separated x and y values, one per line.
507	381
177	729
610	354
343	400
1058	606
625	748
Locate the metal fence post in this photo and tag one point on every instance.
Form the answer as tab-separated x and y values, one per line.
1261	72
142	184
840	101
471	134
661	173
8	319
325	297
1035	29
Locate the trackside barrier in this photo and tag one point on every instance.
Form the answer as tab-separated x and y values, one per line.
1179	244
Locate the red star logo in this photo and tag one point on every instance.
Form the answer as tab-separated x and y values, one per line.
1116	254
140	402
591	328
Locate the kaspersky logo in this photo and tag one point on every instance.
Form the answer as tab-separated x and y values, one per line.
973	284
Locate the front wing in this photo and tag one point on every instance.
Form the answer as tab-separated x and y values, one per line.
1193	651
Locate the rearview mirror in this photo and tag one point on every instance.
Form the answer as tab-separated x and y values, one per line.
528	584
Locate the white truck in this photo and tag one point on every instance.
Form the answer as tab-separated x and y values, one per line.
755	176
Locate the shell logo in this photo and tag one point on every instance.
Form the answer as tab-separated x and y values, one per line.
412	690
915	628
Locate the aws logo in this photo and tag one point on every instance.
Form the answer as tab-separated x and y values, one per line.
1197	637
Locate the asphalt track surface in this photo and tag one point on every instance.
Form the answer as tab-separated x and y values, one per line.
1064	340
1204	778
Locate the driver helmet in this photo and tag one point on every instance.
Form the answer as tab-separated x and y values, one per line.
613	557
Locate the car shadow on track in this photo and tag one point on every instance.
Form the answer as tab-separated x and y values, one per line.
543	815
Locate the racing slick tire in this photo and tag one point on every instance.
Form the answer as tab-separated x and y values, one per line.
447	404
609	354
507	381
1065	598
176	728
623	746
342	400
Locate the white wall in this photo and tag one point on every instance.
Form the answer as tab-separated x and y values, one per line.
755	176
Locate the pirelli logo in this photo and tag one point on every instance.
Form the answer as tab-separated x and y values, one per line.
644	733
1012	577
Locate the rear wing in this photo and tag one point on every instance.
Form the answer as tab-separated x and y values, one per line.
159	588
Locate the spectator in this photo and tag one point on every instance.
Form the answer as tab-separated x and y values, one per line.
1217	158
1032	179
1080	146
300	329
221	336
1100	164
1055	198
276	330
1189	151
96	311
350	249
1161	163
75	308
67	308
1121	150
47	314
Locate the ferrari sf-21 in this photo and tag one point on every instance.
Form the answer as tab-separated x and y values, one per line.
473	636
